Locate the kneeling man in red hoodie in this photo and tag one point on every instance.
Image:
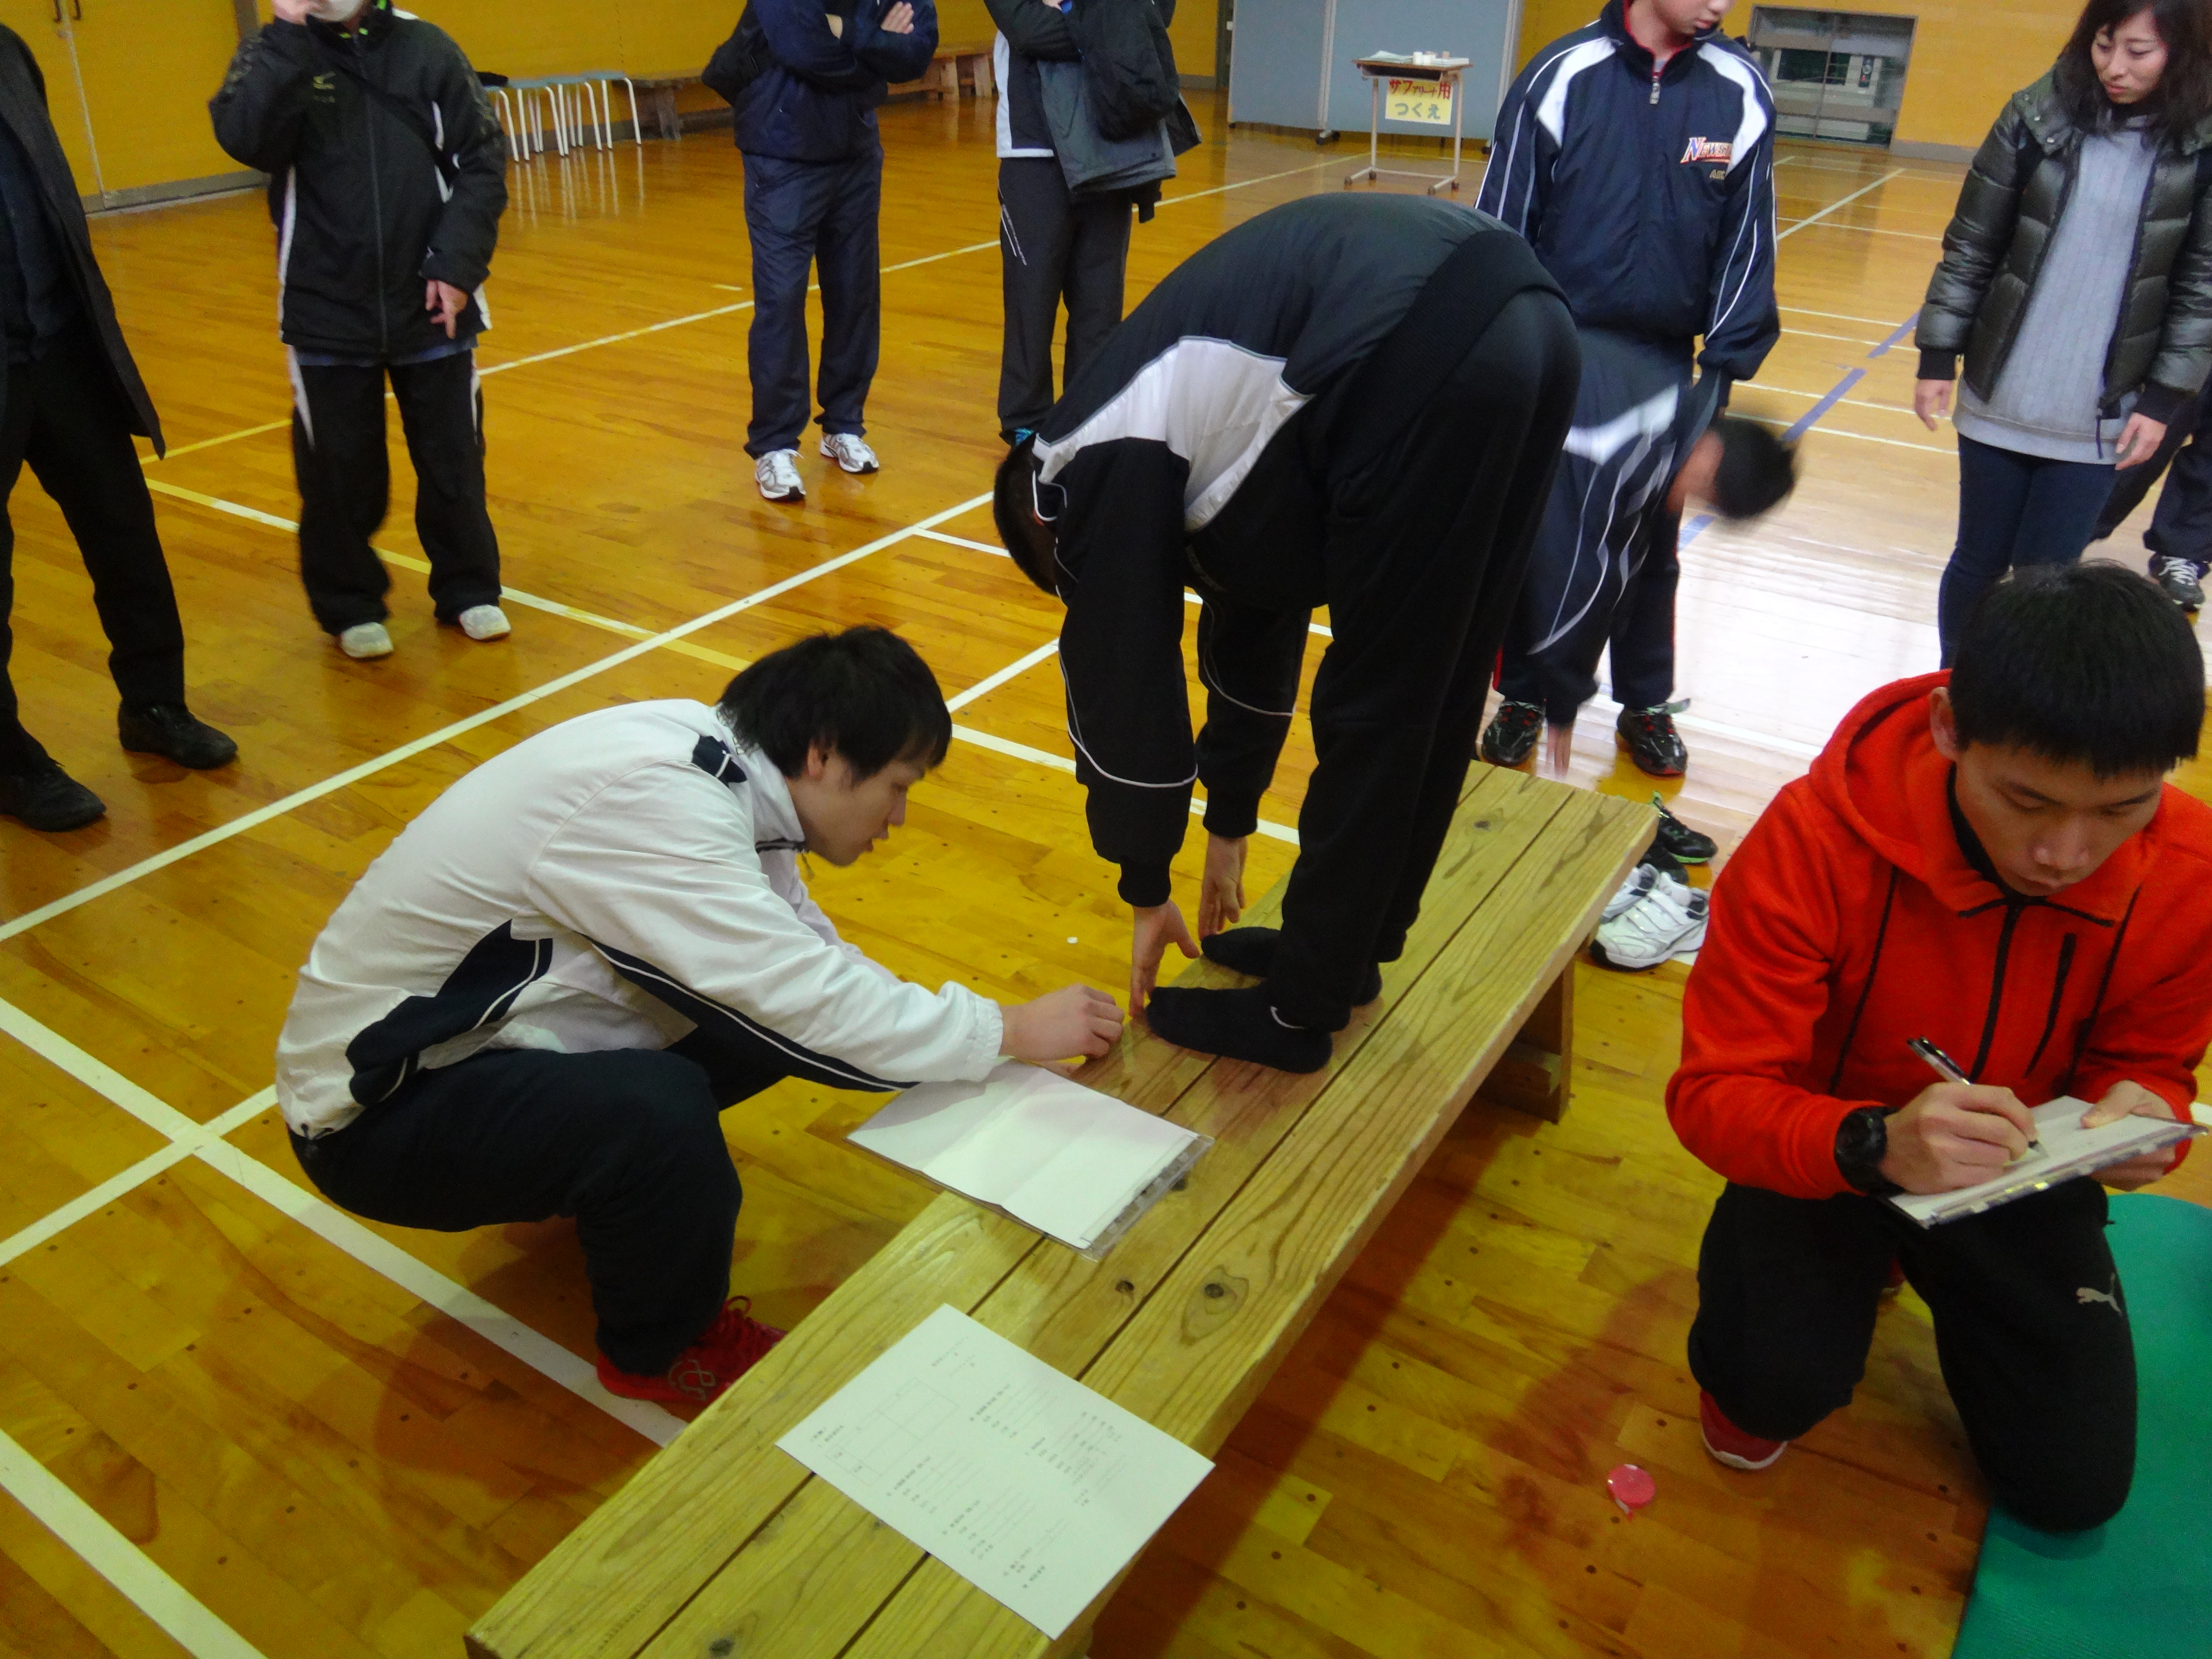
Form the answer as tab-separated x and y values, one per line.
1990	859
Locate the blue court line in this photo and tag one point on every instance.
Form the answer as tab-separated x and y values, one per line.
1804	423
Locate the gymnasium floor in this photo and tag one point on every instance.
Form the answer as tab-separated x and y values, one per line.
237	1421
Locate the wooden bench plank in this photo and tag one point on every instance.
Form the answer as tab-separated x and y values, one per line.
1066	1310
1192	1360
608	1587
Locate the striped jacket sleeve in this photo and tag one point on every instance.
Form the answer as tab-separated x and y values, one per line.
1518	181
1744	324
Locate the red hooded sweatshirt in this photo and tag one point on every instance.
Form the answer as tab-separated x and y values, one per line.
1852	920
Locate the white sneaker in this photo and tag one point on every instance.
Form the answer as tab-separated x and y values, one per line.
366	640
850	450
483	622
1632	891
1669	920
777	475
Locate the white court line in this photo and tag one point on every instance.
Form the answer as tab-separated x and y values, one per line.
1022	751
1832	207
1877	230
993	682
205	1142
507	595
238	826
117	1560
1840	316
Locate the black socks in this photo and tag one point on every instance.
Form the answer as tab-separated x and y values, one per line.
1252	950
1237	1025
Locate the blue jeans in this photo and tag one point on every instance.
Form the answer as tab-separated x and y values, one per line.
803	215
2013	510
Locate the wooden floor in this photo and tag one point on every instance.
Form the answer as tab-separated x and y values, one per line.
236	1421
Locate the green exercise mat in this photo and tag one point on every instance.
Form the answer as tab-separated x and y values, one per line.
2141	1586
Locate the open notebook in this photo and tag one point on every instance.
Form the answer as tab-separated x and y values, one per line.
1072	1162
2068	1149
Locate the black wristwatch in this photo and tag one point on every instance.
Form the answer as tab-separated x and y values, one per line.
1861	1143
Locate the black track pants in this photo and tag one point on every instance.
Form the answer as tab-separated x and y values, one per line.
1052	249
2031	1327
345	486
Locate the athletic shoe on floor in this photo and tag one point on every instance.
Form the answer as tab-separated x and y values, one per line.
1656	857
366	640
1667	921
850	450
172	732
1730	1445
483	622
47	797
1652	742
1511	736
2179	579
777	475
732	1346
1678	838
1634	892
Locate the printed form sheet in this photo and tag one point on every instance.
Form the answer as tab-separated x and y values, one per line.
1032	1487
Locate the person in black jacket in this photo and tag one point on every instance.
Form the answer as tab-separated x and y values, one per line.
72	399
387	178
1637	155
814	183
1355	401
1052	249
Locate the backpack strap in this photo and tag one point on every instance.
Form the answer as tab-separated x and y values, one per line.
399	109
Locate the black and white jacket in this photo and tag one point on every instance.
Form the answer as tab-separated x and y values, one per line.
613	883
1198	447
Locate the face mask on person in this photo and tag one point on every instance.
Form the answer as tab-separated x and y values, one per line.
338	11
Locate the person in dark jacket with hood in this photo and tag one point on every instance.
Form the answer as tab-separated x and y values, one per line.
72	398
1637	156
2076	280
814	184
1349	400
387	176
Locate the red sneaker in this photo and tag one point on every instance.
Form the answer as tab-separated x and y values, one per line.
730	1347
1730	1445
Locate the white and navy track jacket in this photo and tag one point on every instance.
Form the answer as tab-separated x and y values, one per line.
1637	417
1649	198
612	883
1200	445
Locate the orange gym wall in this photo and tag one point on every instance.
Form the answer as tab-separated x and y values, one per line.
1968	56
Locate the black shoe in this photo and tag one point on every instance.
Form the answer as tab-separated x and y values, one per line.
170	730
2178	579
47	797
1684	842
1511	736
1658	858
1652	742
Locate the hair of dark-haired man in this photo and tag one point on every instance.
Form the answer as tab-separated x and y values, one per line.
1756	470
2086	664
2184	95
1026	537
863	695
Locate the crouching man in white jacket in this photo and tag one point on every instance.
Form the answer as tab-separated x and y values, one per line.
538	1001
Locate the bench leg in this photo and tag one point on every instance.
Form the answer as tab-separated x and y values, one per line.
976	71
1531	1076
661	101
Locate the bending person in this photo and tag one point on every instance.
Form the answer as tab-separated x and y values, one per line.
1645	446
1354	401
539	998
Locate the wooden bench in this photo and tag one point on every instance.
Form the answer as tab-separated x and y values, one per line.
656	94
723	1546
959	69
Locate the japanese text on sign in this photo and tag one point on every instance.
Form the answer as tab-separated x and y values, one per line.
1426	101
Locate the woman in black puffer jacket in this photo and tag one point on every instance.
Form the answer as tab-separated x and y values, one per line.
2076	280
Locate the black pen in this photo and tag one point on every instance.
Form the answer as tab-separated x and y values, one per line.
1948	1068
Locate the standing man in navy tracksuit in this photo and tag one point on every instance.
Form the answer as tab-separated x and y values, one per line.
1637	155
814	181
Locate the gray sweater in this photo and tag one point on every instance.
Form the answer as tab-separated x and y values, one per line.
2046	402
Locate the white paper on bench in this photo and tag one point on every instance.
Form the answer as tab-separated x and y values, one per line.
1032	1487
1066	1159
